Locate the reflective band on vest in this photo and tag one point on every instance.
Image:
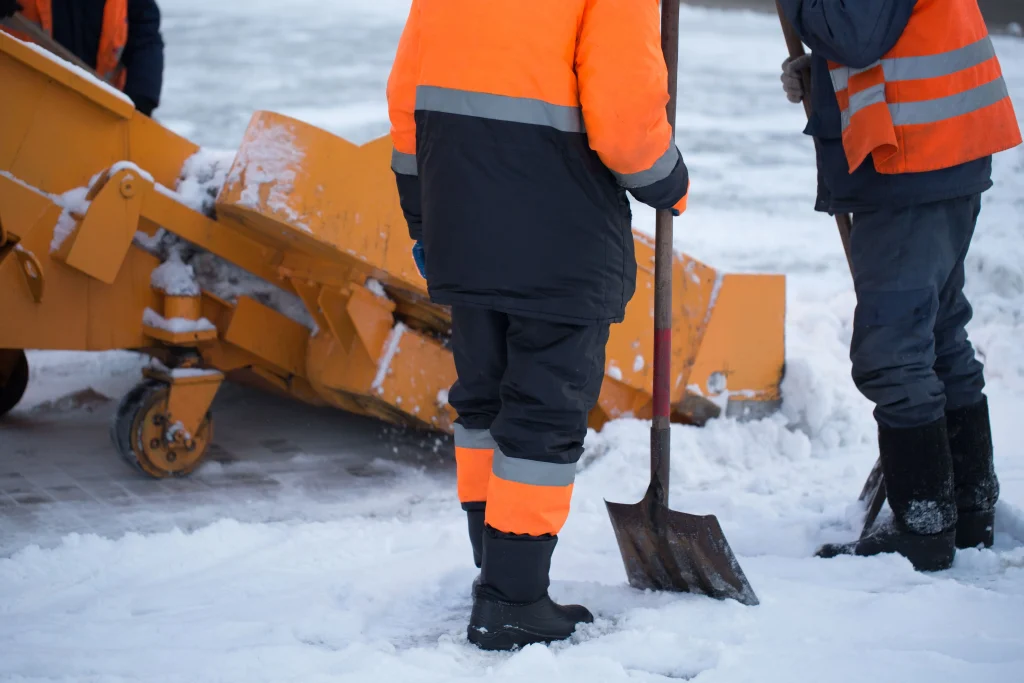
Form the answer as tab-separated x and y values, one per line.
920	108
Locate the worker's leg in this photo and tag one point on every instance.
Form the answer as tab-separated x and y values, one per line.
970	434
902	259
553	380
478	346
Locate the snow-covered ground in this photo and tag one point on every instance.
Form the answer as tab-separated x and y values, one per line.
345	558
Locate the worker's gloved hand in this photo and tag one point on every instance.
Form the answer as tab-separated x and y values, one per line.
8	8
143	104
792	81
420	258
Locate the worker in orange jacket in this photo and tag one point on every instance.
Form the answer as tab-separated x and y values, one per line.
517	136
119	39
909	105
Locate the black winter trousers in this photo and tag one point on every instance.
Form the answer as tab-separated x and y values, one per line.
910	352
525	387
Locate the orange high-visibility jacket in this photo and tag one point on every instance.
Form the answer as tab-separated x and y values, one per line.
112	39
518	127
937	99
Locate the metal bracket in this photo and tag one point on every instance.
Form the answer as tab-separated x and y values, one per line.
32	270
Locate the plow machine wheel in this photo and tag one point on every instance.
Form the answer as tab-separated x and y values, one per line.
142	435
13	378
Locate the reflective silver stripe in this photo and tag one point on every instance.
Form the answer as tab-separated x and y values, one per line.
532	472
499	108
403	163
840	77
473	438
660	170
865	98
926	66
942	64
940	109
929	111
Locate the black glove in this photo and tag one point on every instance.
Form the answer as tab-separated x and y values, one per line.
143	104
8	8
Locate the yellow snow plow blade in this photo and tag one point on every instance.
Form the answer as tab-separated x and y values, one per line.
294	273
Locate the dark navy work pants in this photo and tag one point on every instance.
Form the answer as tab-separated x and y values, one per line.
910	352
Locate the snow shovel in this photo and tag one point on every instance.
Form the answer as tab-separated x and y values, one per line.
872	496
663	549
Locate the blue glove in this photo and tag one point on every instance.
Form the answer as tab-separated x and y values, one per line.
420	258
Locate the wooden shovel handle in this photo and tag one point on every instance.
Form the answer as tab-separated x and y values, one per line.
18	22
796	49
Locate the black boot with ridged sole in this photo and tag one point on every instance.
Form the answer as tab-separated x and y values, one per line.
918	471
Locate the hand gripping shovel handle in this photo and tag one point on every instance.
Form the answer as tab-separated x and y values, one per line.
796	49
873	493
660	424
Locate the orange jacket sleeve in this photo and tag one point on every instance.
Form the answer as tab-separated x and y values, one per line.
623	85
401	94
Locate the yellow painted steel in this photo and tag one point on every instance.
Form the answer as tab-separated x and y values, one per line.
319	218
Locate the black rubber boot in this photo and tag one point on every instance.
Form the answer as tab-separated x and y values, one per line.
475	516
975	484
511	607
918	472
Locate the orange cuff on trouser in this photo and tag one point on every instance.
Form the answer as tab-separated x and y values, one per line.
529	496
474	453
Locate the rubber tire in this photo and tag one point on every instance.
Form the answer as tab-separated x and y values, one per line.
124	418
13	390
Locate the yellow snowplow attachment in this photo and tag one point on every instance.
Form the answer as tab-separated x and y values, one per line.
101	247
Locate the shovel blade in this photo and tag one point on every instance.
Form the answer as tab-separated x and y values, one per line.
665	550
873	497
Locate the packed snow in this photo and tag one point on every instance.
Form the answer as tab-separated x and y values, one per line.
74	204
269	157
175	325
202	178
174	277
372	583
77	70
391	345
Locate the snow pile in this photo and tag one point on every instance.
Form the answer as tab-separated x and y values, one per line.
131	166
74	205
56	376
77	70
229	282
391	345
376	287
174	277
374	586
220	277
175	325
269	157
202	177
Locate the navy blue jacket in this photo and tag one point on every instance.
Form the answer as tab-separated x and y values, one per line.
856	34
77	25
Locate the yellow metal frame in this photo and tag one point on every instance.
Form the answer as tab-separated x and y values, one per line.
326	224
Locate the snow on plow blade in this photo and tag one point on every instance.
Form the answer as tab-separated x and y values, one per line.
286	265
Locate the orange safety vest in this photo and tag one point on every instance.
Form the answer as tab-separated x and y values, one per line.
936	100
112	38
